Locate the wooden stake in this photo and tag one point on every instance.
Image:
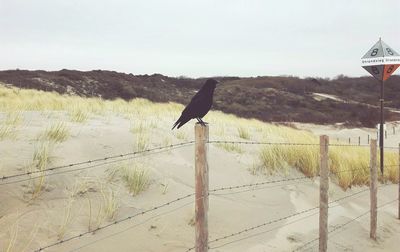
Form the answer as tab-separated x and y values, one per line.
373	190
323	193
201	188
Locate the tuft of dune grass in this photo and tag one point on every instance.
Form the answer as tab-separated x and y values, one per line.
40	161
349	165
9	124
136	179
57	132
243	133
135	176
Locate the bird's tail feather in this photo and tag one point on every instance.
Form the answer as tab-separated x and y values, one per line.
176	123
180	122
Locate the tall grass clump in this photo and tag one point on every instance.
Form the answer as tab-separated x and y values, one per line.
303	158
40	161
138	128
111	203
9	124
6	131
135	176
79	114
57	132
142	142
243	133
349	165
67	218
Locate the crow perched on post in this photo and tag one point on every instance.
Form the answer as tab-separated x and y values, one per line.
199	105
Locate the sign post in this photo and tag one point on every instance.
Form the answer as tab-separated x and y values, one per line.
381	61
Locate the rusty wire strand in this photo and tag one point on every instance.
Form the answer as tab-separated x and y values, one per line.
45	172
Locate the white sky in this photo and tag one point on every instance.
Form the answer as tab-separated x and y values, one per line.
196	37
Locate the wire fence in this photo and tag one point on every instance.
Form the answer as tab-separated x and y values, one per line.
216	192
338	227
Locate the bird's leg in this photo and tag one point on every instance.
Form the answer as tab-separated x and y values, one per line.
202	122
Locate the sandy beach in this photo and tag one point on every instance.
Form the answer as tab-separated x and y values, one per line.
71	202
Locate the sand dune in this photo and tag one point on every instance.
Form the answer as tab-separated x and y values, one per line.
71	203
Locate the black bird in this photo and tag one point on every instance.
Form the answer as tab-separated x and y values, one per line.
199	105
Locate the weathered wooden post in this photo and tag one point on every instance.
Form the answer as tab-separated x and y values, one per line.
359	140
201	188
349	140
373	190
368	138
323	193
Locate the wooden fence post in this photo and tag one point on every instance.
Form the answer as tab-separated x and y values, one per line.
399	182
323	193
359	140
349	140
201	188
368	138
373	190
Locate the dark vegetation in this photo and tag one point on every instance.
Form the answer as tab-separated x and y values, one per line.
279	99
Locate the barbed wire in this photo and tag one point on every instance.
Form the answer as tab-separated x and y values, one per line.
342	225
256	184
257	188
260	225
158	207
46	174
262	143
349	145
391	147
133	226
115	222
349	170
280	219
263	232
289	144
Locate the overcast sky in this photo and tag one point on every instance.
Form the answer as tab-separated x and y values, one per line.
196	37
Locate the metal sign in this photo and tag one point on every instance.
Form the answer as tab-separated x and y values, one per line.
381	61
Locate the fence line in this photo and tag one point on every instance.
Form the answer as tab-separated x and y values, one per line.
262	143
203	187
172	146
153	209
141	154
133	156
133	226
283	225
98	160
342	225
115	222
283	218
